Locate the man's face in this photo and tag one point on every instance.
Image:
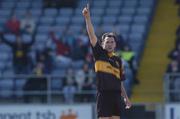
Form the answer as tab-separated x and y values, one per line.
109	44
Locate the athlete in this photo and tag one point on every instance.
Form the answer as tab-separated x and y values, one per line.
109	72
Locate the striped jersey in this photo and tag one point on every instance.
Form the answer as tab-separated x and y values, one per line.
108	68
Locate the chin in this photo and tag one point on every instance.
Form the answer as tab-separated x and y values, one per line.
109	51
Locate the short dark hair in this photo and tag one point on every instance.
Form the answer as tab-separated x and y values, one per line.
108	34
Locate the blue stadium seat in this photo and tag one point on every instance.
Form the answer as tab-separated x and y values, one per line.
36	12
2	65
77	65
4	13
115	3
144	11
99	3
46	20
8	5
8	72
138	28
50	12
9	63
123	28
125	19
108	28
128	11
75	28
109	19
36	4
61	71
112	11
78	12
10	37
6	83
60	66
43	29
26	38
62	20
56	83
97	11
77	20
5	48
6	88
141	19
130	3
146	3
59	28
96	20
4	56
2	22
41	38
65	12
24	5
135	38
20	13
39	46
20	82
82	3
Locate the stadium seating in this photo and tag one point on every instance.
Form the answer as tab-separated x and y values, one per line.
131	18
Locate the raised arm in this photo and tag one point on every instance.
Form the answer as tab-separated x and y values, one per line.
89	26
5	40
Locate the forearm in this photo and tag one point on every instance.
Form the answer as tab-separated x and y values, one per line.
123	92
90	30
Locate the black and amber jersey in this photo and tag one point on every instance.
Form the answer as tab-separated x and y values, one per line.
108	68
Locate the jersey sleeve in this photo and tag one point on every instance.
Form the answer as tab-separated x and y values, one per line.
97	51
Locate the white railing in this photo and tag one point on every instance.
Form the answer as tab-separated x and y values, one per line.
172	87
47	93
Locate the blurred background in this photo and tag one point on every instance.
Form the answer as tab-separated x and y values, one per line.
46	62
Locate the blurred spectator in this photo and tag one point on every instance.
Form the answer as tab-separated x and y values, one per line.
81	75
62	50
28	23
84	79
88	86
128	55
21	60
38	82
175	53
46	58
13	25
69	85
173	68
80	51
69	90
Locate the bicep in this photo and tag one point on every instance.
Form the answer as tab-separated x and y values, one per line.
93	40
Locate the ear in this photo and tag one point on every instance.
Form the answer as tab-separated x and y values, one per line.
102	44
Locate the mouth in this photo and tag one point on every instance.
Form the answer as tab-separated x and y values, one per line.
109	48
